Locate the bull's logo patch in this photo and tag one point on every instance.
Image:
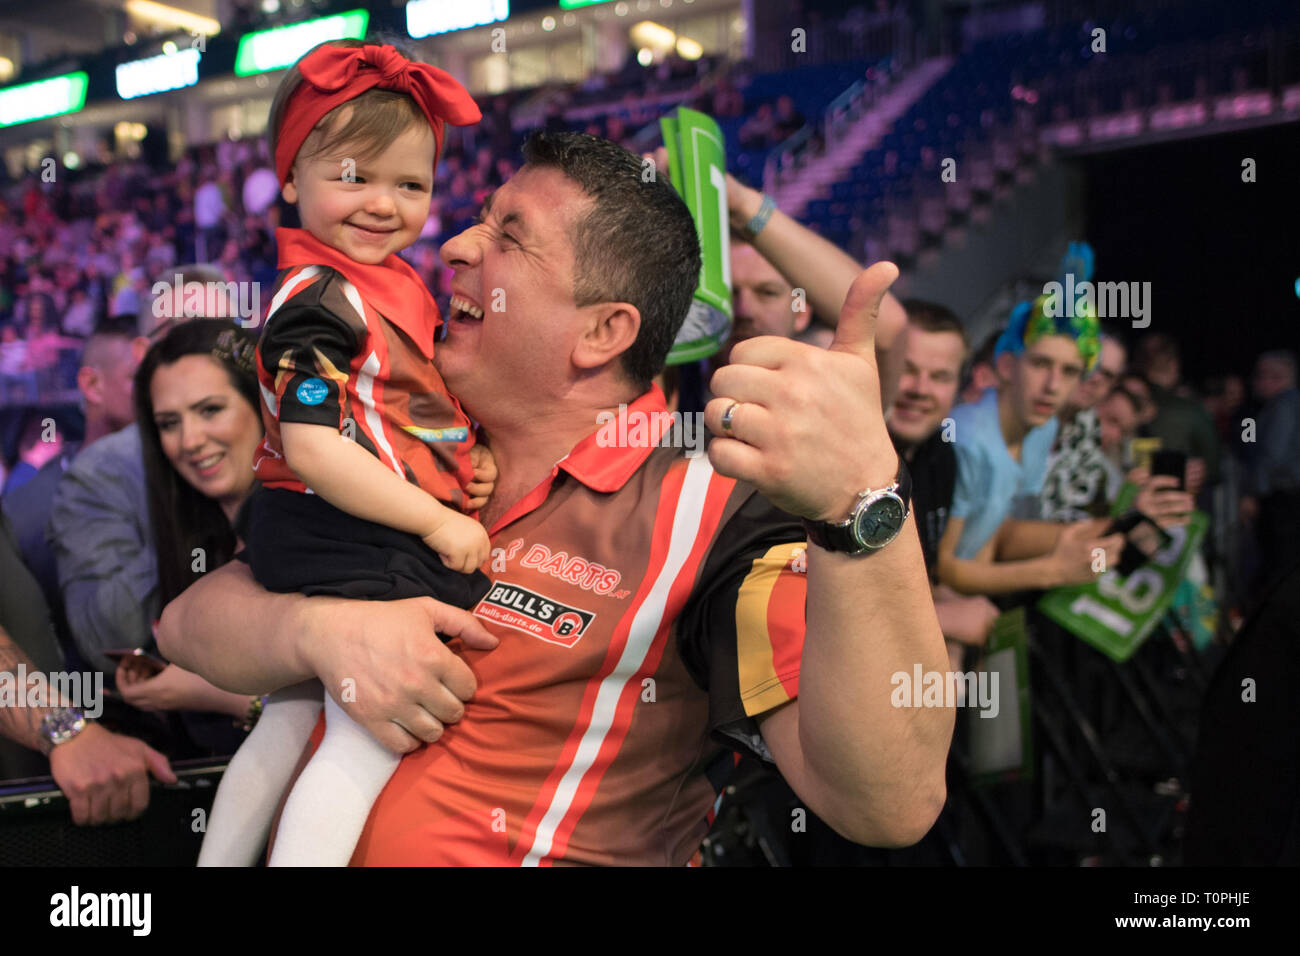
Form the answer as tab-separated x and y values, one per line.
535	614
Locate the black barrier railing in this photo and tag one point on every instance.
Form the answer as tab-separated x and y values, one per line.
36	827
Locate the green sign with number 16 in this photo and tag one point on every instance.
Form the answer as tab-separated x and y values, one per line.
697	165
1116	614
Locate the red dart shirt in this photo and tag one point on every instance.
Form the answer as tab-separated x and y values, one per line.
650	611
350	346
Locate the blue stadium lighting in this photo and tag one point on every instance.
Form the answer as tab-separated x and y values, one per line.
428	17
169	71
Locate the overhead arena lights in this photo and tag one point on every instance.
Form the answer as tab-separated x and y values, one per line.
168	71
44	98
280	47
428	17
160	14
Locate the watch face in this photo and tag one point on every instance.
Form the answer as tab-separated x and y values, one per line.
879	522
63	723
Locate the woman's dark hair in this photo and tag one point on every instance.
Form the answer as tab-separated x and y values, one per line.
183	518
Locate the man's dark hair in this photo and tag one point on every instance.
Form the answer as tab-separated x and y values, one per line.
933	317
1134	401
119	328
981	356
123	325
1155	349
984	354
637	244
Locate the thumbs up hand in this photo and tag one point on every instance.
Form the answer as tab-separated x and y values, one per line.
805	425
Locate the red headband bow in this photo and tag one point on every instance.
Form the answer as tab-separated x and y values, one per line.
332	75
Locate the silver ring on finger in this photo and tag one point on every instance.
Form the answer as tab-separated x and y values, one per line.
728	415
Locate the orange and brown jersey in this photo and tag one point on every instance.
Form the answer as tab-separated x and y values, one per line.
649	611
350	346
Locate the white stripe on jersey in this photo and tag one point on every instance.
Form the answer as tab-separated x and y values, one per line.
286	290
366	384
686	525
366	392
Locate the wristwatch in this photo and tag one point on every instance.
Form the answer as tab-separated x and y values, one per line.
61	724
874	521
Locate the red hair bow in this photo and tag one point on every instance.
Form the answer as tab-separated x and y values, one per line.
332	75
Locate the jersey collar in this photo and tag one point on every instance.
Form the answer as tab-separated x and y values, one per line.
392	287
609	456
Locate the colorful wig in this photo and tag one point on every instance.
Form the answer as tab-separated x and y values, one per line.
1030	321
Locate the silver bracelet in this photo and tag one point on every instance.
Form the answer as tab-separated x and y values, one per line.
765	210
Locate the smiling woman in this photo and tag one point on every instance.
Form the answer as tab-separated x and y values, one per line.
196	403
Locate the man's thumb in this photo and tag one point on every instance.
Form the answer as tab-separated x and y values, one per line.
856	329
159	765
464	625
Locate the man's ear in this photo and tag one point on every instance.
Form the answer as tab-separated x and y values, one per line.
1005	365
611	330
89	384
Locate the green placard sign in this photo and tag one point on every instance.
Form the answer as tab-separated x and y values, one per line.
697	167
1001	745
1117	614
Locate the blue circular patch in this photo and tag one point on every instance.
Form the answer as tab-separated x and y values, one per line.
312	391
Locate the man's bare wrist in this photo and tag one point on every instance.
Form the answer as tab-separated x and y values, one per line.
305	634
1051	575
743	203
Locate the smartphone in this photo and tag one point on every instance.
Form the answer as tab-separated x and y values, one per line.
152	661
1172	463
1143	539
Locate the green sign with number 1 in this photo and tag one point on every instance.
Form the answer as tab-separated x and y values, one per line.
697	166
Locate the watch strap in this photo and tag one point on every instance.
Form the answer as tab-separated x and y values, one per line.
838	535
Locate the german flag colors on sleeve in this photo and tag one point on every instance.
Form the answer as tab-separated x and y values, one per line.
744	635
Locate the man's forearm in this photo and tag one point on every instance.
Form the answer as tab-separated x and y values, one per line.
997	577
808	261
870	618
239	636
18	722
1019	540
